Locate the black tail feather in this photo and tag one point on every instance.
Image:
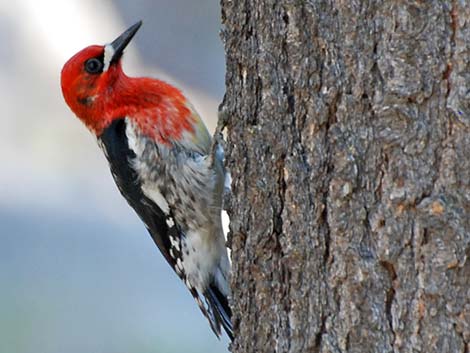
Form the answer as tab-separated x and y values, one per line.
220	308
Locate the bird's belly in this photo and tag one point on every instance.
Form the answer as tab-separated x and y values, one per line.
199	258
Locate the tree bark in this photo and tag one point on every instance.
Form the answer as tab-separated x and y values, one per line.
347	136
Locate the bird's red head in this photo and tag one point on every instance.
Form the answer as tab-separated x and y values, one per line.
89	77
97	90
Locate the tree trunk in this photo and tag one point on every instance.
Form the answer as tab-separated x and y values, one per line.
348	140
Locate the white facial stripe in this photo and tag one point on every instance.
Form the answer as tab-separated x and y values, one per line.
108	56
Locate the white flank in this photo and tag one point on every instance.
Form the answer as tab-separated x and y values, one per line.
199	259
108	56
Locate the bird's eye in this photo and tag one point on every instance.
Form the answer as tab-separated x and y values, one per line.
93	66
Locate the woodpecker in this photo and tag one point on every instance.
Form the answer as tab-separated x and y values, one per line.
162	160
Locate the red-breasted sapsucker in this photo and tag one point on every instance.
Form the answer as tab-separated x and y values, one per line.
160	155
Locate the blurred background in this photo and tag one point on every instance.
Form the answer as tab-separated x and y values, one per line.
78	271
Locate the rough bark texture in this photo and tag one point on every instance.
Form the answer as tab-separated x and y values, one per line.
348	139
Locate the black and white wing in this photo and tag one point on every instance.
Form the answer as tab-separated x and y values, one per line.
153	209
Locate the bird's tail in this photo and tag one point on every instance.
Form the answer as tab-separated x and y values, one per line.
220	312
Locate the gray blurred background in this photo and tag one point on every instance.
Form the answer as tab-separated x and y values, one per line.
78	272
